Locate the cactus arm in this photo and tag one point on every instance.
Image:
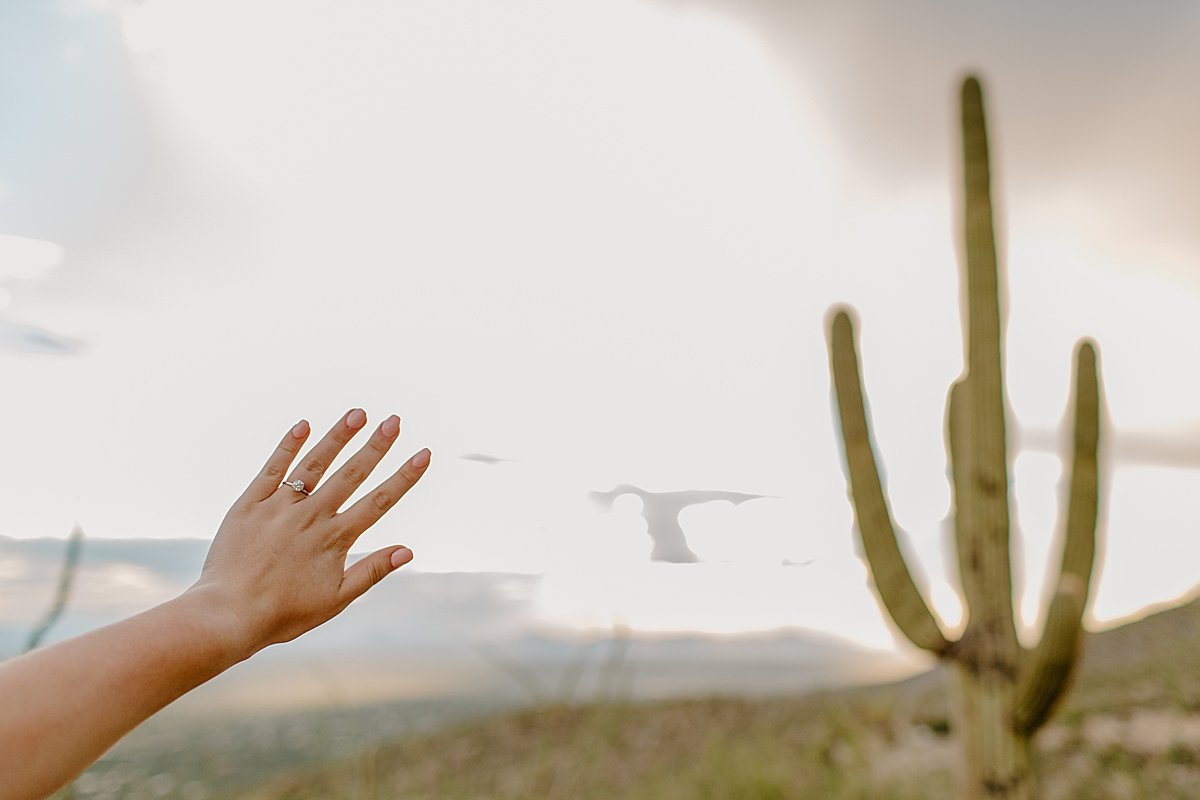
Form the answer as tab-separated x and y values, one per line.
987	574
1053	660
893	581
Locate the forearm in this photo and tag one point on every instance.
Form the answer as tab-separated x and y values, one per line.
63	706
276	569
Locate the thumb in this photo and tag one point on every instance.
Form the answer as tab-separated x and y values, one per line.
370	570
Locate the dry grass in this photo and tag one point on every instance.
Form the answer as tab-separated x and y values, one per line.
720	748
1130	730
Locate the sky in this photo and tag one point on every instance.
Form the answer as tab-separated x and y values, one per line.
599	240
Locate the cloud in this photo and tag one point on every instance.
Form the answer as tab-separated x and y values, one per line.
661	511
84	143
16	337
1178	446
484	458
1085	99
93	163
24	260
120	577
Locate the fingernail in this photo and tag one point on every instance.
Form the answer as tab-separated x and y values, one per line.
390	426
300	429
401	557
356	419
421	459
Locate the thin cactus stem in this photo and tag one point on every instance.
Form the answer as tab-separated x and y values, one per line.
66	580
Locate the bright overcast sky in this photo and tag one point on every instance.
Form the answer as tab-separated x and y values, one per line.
599	239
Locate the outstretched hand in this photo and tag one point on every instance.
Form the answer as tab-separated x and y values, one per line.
277	567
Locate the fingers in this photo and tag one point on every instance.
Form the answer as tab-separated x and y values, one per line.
313	466
337	489
367	511
269	477
368	571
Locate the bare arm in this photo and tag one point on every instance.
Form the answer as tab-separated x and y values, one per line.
276	569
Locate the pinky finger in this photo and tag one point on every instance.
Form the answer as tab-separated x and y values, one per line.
370	570
269	477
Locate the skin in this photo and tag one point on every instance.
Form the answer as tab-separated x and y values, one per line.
276	569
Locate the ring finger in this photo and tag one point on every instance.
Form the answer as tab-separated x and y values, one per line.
337	490
317	461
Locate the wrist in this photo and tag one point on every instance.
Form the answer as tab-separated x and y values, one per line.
218	618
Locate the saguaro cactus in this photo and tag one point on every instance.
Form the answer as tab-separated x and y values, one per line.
1005	691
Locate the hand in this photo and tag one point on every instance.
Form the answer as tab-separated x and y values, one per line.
277	567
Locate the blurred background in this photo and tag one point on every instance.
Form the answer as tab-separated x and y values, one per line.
577	247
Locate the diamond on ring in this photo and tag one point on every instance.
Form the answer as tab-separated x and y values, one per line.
296	486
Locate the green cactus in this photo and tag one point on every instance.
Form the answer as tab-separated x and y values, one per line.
1005	692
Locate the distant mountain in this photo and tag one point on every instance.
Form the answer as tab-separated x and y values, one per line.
115	578
427	635
426	650
120	577
1149	662
1130	729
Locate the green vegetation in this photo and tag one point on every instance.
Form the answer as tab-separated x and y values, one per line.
1005	693
1130	730
717	748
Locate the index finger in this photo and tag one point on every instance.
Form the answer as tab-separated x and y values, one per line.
269	477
